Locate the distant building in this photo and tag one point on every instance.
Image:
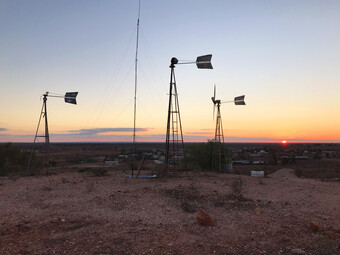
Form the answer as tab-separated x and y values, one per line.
97	159
158	162
242	162
111	163
302	157
329	154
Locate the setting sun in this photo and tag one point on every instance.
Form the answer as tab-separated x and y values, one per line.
284	142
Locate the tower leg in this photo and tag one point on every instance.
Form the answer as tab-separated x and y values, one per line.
43	113
47	137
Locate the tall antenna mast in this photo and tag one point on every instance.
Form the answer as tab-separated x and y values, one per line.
135	98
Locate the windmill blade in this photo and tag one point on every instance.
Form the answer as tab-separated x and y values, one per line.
214	112
239	100
204	62
213	98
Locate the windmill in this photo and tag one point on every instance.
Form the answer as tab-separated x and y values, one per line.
219	158
174	146
70	97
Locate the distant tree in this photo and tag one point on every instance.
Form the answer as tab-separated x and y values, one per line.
272	156
244	155
199	156
14	160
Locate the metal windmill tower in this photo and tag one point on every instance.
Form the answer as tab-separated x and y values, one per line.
70	97
219	158
174	146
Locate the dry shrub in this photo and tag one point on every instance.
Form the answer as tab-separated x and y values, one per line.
220	201
96	171
260	182
324	246
188	206
189	197
90	187
236	187
64	180
46	188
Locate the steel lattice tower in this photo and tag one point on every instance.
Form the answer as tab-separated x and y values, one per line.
174	148
219	153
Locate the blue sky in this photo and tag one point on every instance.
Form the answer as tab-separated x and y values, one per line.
283	55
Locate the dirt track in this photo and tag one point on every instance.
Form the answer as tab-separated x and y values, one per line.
75	213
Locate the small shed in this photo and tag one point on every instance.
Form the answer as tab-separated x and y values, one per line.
111	163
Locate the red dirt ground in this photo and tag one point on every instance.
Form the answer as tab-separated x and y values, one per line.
76	213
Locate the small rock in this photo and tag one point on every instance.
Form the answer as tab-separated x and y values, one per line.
285	238
298	251
314	226
330	235
204	219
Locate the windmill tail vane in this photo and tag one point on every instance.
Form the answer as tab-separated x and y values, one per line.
70	97
239	100
204	62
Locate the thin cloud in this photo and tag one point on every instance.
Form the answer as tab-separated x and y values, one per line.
3	129
199	133
96	131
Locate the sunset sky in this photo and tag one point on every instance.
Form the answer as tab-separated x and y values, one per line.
283	55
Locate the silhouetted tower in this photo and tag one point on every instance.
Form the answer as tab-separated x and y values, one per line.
174	145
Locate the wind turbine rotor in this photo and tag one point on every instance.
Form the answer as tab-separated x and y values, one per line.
214	106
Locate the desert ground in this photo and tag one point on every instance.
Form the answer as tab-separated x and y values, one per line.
72	212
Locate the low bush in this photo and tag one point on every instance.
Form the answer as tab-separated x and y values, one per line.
96	171
199	156
14	161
